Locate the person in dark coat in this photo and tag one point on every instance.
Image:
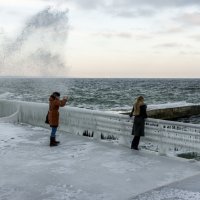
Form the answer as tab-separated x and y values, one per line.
53	115
139	111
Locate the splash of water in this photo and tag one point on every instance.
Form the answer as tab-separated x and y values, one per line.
39	49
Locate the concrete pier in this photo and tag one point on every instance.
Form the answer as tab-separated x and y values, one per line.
175	112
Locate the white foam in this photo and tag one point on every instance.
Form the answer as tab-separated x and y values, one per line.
5	95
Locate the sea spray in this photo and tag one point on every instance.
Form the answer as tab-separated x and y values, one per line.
39	49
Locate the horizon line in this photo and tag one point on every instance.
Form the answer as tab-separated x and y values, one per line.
99	77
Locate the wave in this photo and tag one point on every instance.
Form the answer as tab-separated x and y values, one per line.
6	95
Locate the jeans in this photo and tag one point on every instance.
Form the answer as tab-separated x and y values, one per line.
53	131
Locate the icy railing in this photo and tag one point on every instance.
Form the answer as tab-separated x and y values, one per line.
163	135
9	111
173	136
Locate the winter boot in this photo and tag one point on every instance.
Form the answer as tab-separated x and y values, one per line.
52	142
57	142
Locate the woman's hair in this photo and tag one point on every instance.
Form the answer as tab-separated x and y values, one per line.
139	102
56	94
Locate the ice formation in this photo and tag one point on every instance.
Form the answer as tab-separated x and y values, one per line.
164	135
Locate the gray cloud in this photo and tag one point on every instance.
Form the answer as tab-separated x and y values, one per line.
84	4
132	13
168	45
194	53
195	37
190	19
174	45
155	3
125	35
91	4
144	36
172	30
129	8
39	47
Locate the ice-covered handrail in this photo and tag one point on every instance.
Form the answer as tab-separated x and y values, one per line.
9	111
100	124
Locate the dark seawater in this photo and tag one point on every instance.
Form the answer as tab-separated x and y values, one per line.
103	94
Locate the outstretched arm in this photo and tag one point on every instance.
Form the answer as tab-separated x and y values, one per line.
63	101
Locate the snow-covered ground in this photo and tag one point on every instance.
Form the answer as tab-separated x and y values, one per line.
187	189
82	168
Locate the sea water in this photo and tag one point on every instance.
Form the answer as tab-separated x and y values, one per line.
116	95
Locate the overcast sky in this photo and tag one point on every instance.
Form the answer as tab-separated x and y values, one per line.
116	38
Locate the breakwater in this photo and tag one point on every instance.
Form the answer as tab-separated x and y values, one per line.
175	112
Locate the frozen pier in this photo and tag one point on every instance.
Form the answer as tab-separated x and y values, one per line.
161	135
84	168
99	166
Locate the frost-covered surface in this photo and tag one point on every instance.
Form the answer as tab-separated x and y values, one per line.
162	135
169	194
80	168
187	189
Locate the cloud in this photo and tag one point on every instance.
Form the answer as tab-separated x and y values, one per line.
128	8
84	4
132	13
195	37
194	53
190	19
91	4
125	35
155	3
168	45
174	45
39	48
144	36
172	30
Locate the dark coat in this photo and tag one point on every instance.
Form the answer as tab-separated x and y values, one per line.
139	121
53	114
